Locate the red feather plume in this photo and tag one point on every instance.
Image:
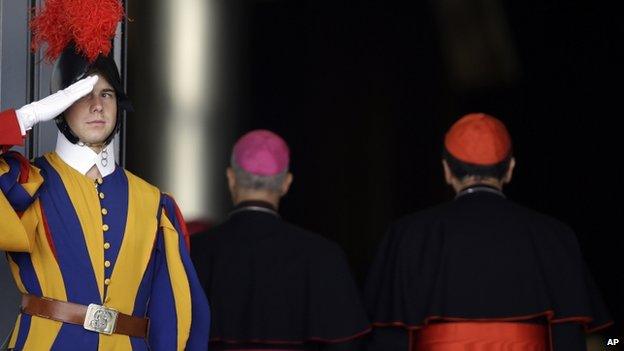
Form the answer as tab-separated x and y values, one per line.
50	26
90	24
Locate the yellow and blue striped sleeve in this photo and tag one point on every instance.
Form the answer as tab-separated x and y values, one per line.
19	183
176	290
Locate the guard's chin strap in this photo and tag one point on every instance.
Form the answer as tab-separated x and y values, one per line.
63	126
79	142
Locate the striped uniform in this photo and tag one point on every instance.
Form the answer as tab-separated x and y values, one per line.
116	242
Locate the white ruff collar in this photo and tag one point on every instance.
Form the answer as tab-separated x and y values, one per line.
82	158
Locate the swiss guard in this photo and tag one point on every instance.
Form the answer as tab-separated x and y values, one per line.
481	273
99	255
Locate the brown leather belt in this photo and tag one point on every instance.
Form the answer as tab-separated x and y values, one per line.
93	317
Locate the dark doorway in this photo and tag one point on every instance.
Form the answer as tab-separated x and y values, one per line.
364	92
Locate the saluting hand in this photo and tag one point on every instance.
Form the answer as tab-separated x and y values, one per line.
53	105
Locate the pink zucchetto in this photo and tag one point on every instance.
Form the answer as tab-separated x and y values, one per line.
261	152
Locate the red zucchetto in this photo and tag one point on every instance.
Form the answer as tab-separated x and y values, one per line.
478	138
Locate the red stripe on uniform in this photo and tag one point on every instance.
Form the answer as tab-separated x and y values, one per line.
24	167
48	234
185	232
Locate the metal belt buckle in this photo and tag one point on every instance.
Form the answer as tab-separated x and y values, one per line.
100	319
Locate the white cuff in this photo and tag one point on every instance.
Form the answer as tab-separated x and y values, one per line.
24	119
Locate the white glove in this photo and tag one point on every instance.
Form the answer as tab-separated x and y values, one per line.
53	105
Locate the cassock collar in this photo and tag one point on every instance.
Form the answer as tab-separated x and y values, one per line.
82	158
480	188
255	205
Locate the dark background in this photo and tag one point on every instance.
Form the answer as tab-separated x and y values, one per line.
363	93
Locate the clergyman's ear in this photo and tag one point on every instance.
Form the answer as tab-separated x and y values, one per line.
231	178
448	175
510	169
286	183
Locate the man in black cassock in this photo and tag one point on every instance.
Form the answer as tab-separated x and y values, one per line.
272	285
481	272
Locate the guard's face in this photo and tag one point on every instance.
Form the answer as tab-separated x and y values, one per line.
93	117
